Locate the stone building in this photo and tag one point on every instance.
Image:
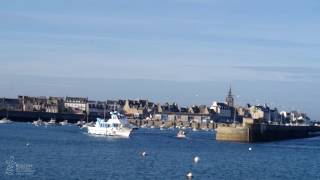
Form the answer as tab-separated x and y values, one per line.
299	118
182	117
113	105
130	108
222	110
264	113
10	104
97	108
39	103
28	103
76	104
55	105
230	99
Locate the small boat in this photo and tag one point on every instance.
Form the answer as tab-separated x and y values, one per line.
181	134
52	122
86	125
80	123
117	125
189	175
162	127
5	121
64	123
38	122
143	126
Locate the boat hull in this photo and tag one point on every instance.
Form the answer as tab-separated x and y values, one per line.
5	122
181	136
121	132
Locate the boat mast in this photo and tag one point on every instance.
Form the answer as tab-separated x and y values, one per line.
269	116
87	116
104	111
234	115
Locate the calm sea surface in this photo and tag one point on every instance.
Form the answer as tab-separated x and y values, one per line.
56	152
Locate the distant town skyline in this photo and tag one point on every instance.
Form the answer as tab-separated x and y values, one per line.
186	51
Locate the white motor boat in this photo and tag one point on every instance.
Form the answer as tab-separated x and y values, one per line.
86	125
80	123
38	122
181	134
162	126
5	121
117	125
143	126
52	122
64	123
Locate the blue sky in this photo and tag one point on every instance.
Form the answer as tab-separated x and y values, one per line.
273	44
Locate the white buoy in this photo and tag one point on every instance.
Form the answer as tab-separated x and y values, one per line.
196	159
250	149
144	154
189	175
27	144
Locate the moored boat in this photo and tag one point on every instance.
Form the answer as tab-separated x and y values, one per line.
181	134
52	122
5	121
86	125
117	125
64	123
38	122
80	123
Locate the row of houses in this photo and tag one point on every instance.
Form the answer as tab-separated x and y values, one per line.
225	112
44	104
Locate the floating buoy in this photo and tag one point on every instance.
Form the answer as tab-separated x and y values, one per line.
250	149
144	154
196	159
27	144
189	175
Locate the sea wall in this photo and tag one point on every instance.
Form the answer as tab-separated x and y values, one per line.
263	133
240	134
20	116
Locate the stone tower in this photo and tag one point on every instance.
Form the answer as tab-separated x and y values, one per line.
230	99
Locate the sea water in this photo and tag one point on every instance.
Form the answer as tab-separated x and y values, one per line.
68	152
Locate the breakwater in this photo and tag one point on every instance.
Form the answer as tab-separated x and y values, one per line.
264	132
21	116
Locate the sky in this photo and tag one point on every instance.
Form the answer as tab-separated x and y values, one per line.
188	51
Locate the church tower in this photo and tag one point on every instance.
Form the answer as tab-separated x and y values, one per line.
230	99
